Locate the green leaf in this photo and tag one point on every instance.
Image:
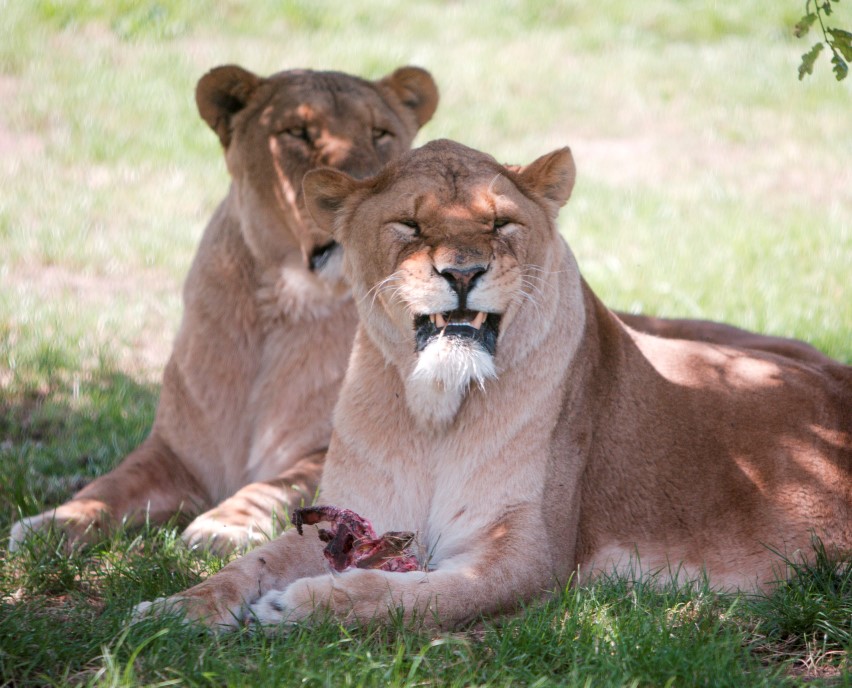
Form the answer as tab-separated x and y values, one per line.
842	41
804	25
826	7
808	59
841	69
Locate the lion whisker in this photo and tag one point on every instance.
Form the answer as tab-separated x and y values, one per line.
529	298
375	289
538	268
525	282
395	292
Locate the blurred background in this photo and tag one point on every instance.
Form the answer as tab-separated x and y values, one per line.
711	183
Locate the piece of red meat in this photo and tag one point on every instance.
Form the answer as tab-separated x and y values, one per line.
351	541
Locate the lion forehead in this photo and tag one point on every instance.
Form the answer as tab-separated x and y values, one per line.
417	193
313	101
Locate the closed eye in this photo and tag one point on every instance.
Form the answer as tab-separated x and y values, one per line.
412	224
381	135
300	133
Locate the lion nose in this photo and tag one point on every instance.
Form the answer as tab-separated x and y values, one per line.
462	280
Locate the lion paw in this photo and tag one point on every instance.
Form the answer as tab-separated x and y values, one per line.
271	610
151	609
26	527
190	608
77	528
220	537
296	603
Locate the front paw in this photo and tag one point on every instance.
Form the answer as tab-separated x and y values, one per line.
297	602
192	608
221	537
161	606
29	527
78	522
270	610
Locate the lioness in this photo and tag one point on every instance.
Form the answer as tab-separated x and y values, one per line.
496	408
244	416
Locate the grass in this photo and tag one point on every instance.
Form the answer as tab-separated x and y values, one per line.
66	624
711	184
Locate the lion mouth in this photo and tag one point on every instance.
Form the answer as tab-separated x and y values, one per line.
477	326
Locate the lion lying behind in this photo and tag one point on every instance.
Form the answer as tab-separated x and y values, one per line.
496	408
244	416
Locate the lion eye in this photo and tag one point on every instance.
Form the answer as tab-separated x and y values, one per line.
411	224
300	133
381	135
501	222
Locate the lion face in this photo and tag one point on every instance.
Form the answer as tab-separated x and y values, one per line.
446	252
276	129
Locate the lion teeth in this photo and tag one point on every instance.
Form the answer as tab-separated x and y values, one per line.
441	320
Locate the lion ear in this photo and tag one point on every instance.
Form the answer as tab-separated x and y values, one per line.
551	176
416	90
221	94
326	191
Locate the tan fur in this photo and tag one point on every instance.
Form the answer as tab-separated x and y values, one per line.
721	333
596	447
244	417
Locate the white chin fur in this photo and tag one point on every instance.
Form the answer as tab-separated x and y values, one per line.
290	292
444	371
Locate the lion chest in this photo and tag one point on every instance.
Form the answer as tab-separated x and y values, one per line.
450	491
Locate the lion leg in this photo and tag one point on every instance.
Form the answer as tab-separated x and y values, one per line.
493	570
720	333
222	599
254	513
150	484
447	597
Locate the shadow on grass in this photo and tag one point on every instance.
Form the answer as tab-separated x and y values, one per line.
60	609
57	435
